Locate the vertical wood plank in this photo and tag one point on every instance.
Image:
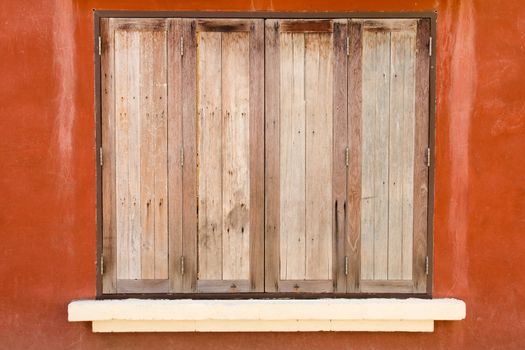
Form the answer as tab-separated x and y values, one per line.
340	142
369	86
355	90
146	145
109	229
209	169
160	98
256	94
175	86
402	94
421	143
189	219
235	153
272	155
318	155
292	149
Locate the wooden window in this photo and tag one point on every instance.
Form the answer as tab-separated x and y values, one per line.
255	155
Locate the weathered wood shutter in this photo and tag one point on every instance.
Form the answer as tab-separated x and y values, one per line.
135	66
305	155
388	136
224	156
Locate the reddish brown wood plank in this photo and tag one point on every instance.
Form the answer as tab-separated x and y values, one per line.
175	86
353	210
272	78
306	26
257	156
109	239
189	211
420	167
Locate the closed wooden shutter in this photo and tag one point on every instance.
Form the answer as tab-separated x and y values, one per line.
305	155
388	136
224	152
135	117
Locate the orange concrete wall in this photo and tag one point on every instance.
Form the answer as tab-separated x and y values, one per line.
47	176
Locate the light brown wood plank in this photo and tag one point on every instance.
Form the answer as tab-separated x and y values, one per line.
292	149
369	86
146	146
133	160
143	286
387	25
355	90
189	218
257	156
224	286
160	98
209	130
223	25
175	86
421	219
109	224
384	286
401	154
340	141
309	286
236	156
318	157
272	155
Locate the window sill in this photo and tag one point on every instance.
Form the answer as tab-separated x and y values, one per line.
374	315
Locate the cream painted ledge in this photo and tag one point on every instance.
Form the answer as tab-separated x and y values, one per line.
262	315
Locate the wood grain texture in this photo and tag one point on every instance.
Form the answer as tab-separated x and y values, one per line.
175	86
236	156
143	285
421	219
306	26
272	156
355	77
340	142
189	175
293	158
109	224
318	158
375	128
257	156
224	286
209	137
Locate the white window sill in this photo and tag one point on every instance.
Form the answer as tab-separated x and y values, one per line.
280	315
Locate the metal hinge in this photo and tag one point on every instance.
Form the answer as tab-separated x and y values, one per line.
346	266
426	265
181	156
430	46
348	46
99	46
101	157
182	265
347	156
102	265
428	157
182	46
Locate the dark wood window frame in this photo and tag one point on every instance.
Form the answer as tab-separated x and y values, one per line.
431	16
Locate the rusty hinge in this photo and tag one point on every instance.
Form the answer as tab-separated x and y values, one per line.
99	46
346	265
102	265
430	46
428	157
182	46
182	156
101	157
348	46
347	156
426	265
182	265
